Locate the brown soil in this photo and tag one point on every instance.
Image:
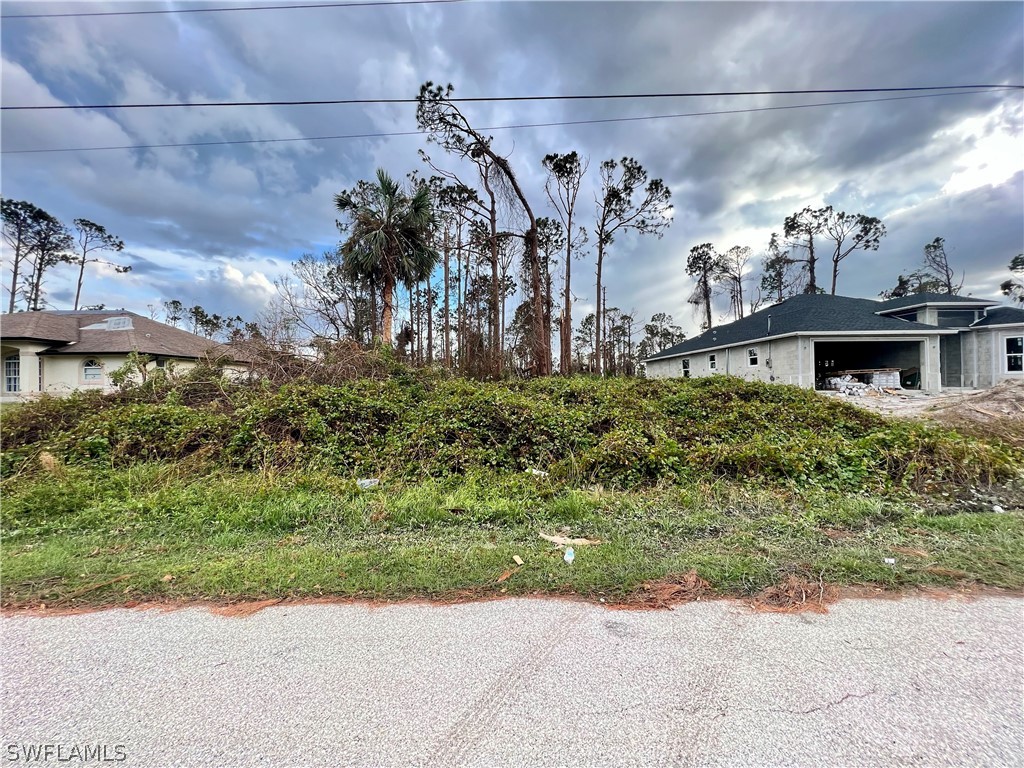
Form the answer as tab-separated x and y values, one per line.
792	596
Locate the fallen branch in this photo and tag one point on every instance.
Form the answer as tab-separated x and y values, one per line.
562	541
91	588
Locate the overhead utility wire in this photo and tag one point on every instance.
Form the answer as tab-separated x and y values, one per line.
492	128
354	4
473	99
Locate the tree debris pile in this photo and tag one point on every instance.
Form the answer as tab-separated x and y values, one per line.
673	589
997	412
795	594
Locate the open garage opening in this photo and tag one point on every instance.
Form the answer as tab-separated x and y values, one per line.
860	358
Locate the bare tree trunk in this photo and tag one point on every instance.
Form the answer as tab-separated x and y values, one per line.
464	352
387	299
430	323
812	285
414	318
501	342
565	329
36	288
81	279
447	304
15	267
706	289
548	301
497	332
604	330
597	311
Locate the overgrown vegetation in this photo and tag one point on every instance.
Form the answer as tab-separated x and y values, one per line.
249	490
622	433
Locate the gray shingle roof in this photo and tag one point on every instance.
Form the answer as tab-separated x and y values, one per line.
70	334
1001	316
918	299
803	313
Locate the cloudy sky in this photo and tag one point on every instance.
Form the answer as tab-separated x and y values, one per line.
217	225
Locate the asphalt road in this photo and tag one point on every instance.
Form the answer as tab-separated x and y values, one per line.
524	683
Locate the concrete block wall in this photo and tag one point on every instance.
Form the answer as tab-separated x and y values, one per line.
984	357
784	366
792	361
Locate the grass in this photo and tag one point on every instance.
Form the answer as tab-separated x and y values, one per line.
228	535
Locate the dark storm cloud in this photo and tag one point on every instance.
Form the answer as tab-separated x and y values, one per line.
224	222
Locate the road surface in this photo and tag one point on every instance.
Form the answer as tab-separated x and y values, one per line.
523	683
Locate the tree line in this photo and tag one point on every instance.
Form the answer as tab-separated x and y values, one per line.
39	242
484	278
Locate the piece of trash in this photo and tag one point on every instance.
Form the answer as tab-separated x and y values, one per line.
602	600
537	472
369	482
167	577
997	509
569	556
890	561
517	559
563	541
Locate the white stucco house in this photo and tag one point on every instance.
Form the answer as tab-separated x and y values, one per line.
934	341
59	351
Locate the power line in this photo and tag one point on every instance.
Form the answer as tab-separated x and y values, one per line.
477	99
354	4
494	128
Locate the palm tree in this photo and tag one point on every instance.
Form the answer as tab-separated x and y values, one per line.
389	237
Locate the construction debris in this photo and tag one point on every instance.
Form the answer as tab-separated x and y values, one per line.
876	383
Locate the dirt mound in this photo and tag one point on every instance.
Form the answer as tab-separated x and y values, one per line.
1005	400
997	412
795	594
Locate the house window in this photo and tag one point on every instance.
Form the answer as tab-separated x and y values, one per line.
686	367
12	373
1015	354
92	371
752	357
712	363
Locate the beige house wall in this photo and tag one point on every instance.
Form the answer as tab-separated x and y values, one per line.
29	369
63	374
